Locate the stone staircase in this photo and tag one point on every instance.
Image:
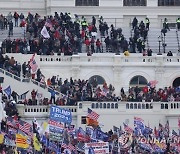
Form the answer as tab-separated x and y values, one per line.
170	40
21	85
18	32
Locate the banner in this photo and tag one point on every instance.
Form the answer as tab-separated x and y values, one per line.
21	141
60	114
97	147
100	135
9	142
55	131
1	138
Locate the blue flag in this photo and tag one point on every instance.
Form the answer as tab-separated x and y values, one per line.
91	151
8	91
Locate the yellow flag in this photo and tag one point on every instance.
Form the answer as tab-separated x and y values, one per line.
1	138
21	141
37	145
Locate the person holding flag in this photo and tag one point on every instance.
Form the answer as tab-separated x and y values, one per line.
91	119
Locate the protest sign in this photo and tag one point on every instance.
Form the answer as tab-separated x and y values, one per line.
97	147
60	114
55	131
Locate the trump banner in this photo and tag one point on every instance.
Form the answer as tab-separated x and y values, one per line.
97	148
61	115
55	131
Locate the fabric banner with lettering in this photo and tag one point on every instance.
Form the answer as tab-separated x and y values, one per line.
60	114
97	148
56	131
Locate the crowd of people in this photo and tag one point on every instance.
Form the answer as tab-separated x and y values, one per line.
21	70
70	35
37	140
70	92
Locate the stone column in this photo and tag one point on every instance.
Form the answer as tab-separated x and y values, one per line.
152	3
159	76
75	72
117	71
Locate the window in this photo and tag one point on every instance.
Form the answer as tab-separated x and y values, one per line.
80	105
87	2
83	120
139	81
168	2
134	3
176	82
112	106
96	80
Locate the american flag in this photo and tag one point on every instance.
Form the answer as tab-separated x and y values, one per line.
48	24
25	127
33	64
92	115
69	146
127	128
12	122
138	119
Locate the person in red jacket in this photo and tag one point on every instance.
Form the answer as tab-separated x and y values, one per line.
87	43
98	46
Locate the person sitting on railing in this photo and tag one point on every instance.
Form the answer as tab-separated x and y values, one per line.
169	53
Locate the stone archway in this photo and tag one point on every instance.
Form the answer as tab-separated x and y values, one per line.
176	82
139	81
96	79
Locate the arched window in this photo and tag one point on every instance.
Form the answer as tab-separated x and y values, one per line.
92	105
127	106
139	106
97	105
134	3
166	106
139	81
143	106
147	106
131	106
176	82
171	105
162	106
96	80
116	106
135	106
168	2
108	105
112	106
100	106
104	105
87	2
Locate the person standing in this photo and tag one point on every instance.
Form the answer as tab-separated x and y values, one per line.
16	18
166	24
147	22
178	23
53	95
10	28
134	23
98	46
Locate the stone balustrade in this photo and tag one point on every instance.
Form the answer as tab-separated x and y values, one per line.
138	59
43	111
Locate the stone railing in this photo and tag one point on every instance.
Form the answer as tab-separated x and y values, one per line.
111	58
161	107
40	110
131	106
